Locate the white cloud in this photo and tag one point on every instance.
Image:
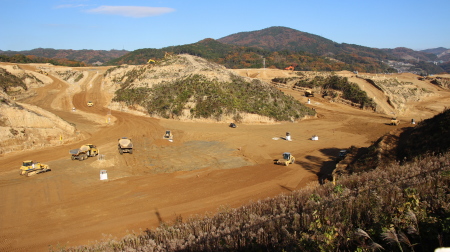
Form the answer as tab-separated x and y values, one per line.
131	11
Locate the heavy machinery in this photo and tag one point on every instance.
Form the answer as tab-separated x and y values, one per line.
342	154
41	72
286	160
395	121
289	68
30	168
90	104
168	135
309	93
125	145
84	152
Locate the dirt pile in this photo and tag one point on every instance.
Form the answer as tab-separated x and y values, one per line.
165	70
186	87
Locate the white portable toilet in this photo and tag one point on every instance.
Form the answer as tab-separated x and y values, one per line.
309	101
103	175
288	136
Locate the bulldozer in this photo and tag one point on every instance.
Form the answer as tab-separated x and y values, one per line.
125	145
30	168
287	159
395	121
84	152
309	93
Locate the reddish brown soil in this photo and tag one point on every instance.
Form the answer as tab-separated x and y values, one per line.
206	167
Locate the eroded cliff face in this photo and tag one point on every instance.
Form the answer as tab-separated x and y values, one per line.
24	126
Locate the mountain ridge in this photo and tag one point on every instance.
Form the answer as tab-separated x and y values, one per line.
244	49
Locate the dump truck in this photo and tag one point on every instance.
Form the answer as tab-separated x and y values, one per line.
395	121
286	160
84	152
30	168
125	145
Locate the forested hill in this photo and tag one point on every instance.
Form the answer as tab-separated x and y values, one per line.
274	47
283	38
85	56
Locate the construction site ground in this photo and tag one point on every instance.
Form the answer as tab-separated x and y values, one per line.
207	166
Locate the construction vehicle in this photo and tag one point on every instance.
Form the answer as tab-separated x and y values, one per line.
41	72
84	152
289	68
341	156
395	121
286	160
309	93
168	135
125	145
30	168
151	61
90	104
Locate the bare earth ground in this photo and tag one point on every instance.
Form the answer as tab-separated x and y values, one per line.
208	166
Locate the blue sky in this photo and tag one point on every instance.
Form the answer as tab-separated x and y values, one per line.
137	24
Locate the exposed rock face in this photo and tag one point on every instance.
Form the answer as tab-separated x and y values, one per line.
24	126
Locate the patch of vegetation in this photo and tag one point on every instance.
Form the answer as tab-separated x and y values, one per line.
350	91
66	75
8	80
207	98
79	77
20	58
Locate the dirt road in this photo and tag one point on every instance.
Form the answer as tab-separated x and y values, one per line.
208	166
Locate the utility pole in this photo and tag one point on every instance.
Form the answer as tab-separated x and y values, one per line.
264	63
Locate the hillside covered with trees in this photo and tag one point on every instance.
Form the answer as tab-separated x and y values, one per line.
273	47
61	56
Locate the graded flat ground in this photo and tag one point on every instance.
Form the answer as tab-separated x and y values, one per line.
208	166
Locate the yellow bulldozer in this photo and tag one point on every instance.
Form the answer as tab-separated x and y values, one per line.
286	160
309	93
30	168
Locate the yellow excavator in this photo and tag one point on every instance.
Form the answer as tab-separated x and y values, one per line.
30	168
